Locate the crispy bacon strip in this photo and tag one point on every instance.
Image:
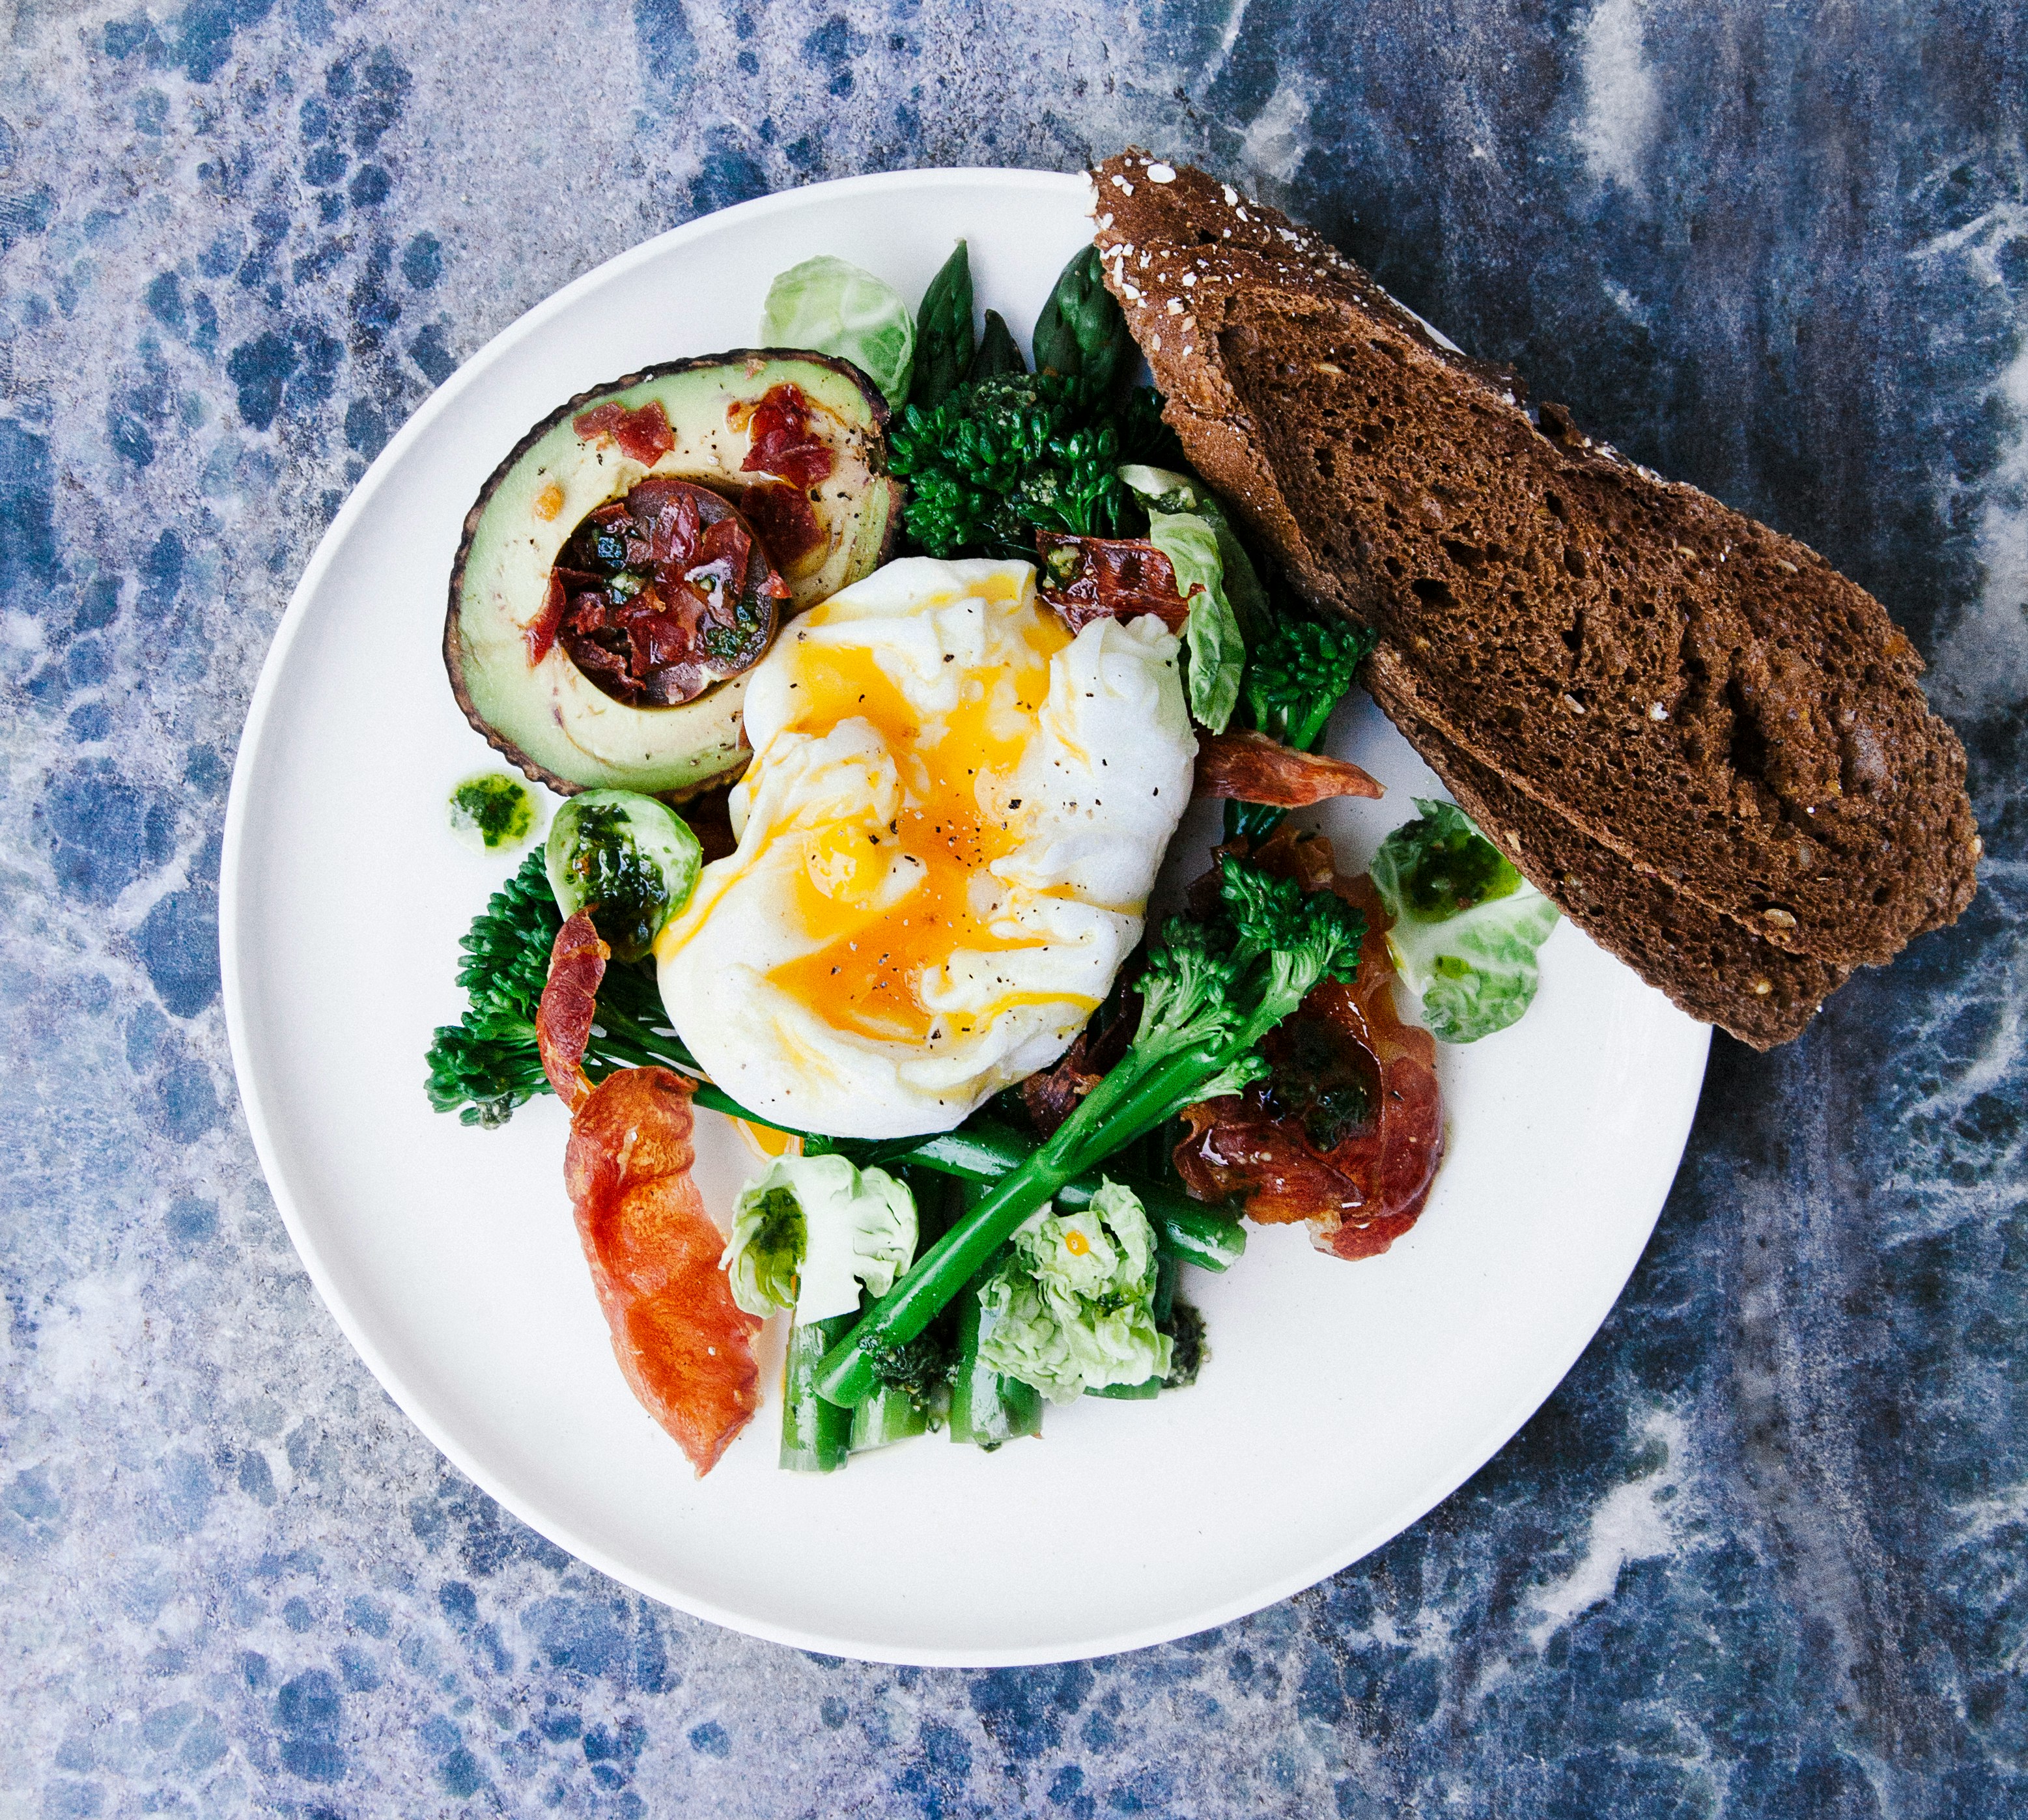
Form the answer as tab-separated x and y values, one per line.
1250	768
1348	1133
570	999
684	1346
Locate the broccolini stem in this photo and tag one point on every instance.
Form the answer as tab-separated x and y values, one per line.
983	1151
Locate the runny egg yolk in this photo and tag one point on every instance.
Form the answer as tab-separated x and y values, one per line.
865	975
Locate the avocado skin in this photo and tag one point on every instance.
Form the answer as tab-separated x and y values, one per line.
703	736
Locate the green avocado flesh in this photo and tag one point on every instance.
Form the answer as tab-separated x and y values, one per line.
544	714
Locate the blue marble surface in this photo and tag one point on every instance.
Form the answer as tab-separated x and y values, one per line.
1765	1552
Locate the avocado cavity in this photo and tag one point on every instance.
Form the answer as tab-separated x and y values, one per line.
657	596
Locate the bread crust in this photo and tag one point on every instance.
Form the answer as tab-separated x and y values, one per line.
1695	698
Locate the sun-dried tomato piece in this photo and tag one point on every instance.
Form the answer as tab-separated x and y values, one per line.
684	1346
570	1000
1347	1131
1250	768
644	435
781	442
1096	578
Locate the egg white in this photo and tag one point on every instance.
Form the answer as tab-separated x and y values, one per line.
947	837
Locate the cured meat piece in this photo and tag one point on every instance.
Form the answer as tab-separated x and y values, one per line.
1250	768
781	517
782	443
1050	1097
665	593
1347	1131
644	435
541	633
570	1000
684	1346
1095	577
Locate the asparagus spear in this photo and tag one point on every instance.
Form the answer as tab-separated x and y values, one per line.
944	337
815	1434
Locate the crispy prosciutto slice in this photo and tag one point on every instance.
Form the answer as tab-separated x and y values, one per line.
1095	577
570	1002
644	435
783	443
1250	768
790	459
1347	1132
684	1347
1050	1097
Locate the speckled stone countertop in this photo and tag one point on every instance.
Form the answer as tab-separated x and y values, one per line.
1765	1552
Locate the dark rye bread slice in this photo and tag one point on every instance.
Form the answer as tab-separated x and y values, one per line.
1714	966
1698	695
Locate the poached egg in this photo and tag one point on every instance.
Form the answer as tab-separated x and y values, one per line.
953	817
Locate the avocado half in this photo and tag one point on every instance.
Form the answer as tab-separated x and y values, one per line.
541	713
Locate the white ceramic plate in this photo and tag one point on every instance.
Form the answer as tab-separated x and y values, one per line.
1341	1401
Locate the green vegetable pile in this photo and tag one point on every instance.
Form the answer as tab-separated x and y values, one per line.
961	1279
1211	991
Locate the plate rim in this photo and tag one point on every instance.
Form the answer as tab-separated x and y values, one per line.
1514	1411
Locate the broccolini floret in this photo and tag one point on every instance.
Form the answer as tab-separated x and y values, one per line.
1005	455
1295	677
506	950
1299	673
488	1062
